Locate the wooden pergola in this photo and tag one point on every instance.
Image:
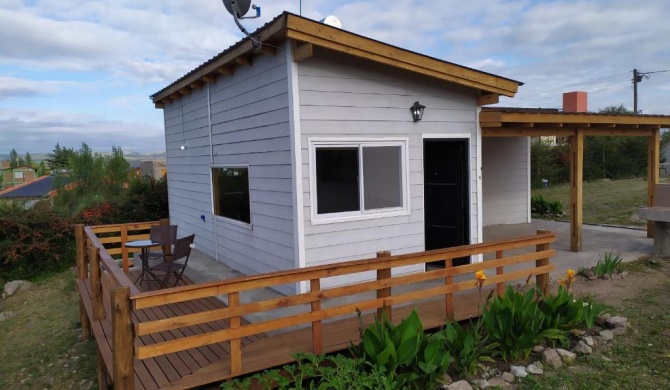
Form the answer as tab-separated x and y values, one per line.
511	122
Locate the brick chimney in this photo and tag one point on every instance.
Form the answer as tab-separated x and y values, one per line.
575	102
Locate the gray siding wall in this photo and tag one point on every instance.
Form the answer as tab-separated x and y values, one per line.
505	180
344	97
250	126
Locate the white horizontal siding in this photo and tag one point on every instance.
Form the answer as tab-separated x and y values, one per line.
505	180
250	126
349	98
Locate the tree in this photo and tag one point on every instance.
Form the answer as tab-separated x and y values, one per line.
13	159
29	159
616	110
59	158
116	168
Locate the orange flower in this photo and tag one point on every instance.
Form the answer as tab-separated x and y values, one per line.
480	275
570	273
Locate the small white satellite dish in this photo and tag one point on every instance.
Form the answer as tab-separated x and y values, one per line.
332	20
240	7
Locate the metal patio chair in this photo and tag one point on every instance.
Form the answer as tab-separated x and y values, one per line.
175	263
166	235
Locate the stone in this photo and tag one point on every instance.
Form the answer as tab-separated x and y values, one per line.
551	358
601	319
535	368
623	274
481	383
588	273
518	371
604	277
538	349
460	385
567	357
578	332
616	277
498	382
15	286
446	379
618	331
592	278
606	335
582	348
7	315
589	341
614	322
508	377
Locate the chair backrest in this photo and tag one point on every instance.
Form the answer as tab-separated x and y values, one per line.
165	234
182	248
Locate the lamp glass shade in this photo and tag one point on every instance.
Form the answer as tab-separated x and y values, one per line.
417	111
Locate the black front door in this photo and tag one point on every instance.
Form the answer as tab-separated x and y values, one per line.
446	194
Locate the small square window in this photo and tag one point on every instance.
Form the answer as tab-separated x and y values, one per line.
230	192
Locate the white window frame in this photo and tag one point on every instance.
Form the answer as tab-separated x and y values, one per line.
211	190
362	214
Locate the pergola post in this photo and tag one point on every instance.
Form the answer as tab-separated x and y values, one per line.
576	185
653	161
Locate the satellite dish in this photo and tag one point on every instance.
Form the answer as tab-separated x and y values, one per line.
239	7
332	20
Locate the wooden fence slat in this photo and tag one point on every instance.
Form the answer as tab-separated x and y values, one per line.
82	273
500	287
449	297
124	250
384	274
235	343
122	339
317	335
96	285
542	280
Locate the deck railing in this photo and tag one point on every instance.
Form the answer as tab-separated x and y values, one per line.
315	307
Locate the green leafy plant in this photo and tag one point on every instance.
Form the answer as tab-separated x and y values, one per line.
608	264
468	346
544	207
408	356
592	310
561	312
515	322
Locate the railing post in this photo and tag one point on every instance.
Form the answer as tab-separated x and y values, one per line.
449	297
124	251
82	273
384	274
236	343
542	280
317	335
122	339
500	287
103	374
96	286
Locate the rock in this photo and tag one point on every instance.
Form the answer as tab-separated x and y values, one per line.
551	358
567	357
616	322
518	371
588	273
535	368
481	383
460	385
499	382
508	377
618	331
616	277
538	349
601	319
589	341
592	278
623	274
606	335
582	348
15	286
446	379
578	332
7	315
604	277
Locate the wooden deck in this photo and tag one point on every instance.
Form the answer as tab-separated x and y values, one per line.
184	337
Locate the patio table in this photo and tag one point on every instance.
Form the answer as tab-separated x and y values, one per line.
144	245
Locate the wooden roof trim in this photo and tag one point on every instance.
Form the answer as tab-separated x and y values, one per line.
345	42
491	118
245	48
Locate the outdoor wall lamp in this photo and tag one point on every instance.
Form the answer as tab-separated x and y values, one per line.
417	111
184	146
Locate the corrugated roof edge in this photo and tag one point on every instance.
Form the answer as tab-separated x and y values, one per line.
286	14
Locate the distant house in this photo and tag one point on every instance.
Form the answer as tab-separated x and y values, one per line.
42	188
17	176
155	169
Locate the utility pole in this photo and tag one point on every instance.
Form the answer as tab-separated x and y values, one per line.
636	79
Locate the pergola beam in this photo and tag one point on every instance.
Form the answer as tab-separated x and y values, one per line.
653	173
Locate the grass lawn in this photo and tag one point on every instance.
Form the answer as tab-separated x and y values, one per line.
41	347
607	202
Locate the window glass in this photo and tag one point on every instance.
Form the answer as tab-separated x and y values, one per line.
231	193
382	177
337	180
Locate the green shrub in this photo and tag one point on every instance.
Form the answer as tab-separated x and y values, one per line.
468	346
608	264
592	310
545	208
561	311
34	241
409	357
515	323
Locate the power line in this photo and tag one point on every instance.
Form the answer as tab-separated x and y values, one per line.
573	85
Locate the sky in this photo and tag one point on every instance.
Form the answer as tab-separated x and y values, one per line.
74	71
